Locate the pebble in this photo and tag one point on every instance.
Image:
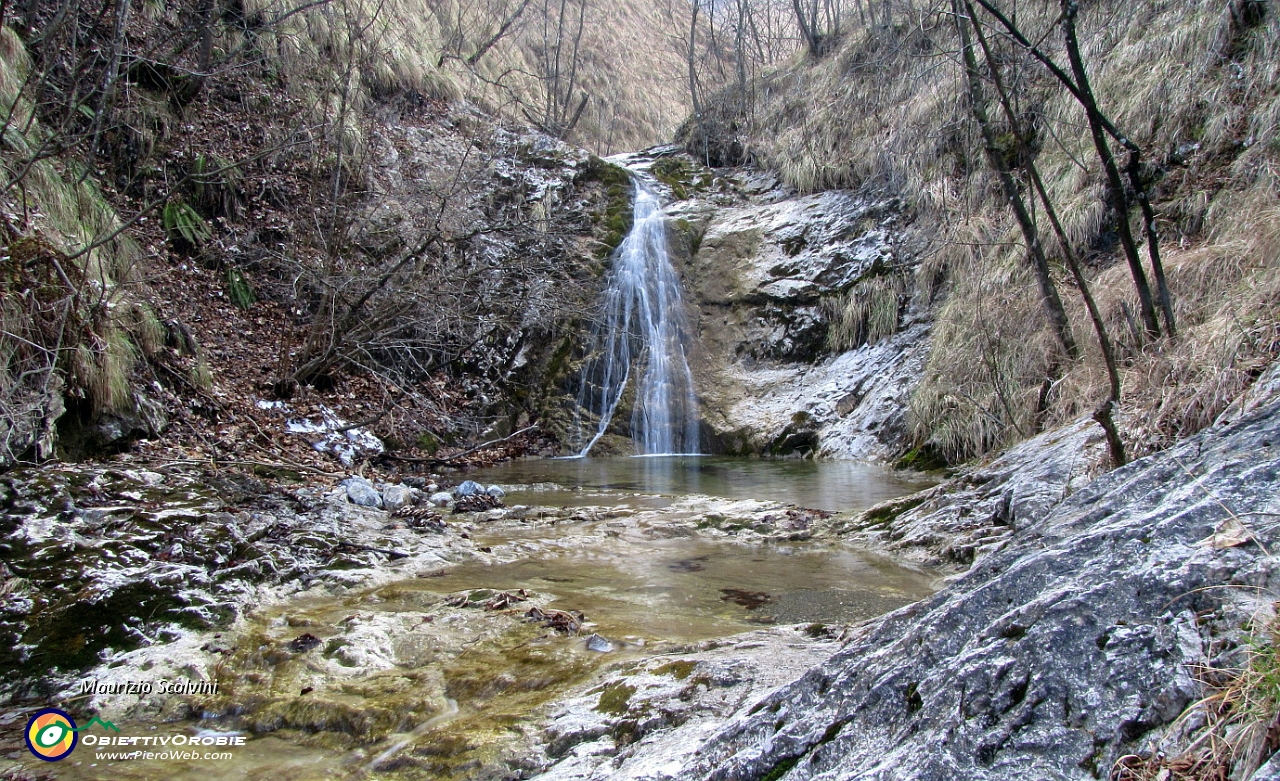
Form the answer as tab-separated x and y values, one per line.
597	643
442	499
496	491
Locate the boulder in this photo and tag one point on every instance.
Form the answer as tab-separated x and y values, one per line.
360	491
469	488
396	496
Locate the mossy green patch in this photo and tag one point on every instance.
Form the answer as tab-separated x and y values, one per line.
924	458
682	176
428	443
240	289
780	769
887	511
616	698
679	670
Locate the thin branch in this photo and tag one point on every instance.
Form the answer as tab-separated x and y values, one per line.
456	456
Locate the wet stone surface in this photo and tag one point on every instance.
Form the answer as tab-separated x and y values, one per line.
100	561
414	642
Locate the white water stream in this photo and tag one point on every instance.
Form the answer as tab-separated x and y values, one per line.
642	333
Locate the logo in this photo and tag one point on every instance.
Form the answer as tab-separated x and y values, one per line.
51	734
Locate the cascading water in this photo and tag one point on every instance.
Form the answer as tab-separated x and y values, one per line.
642	332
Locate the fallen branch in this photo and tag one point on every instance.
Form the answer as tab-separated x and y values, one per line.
221	462
391	554
463	454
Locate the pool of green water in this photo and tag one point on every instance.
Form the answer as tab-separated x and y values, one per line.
647	481
450	709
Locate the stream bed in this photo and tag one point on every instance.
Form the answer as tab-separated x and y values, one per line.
599	575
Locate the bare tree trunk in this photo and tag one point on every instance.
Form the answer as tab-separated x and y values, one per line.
1153	242
1083	95
1104	415
1119	200
691	61
740	52
501	32
1054	310
205	16
807	33
106	96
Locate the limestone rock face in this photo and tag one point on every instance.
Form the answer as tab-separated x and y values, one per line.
792	251
534	213
978	512
636	725
763	274
1054	655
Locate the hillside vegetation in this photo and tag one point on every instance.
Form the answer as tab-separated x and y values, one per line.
886	108
212	201
534	60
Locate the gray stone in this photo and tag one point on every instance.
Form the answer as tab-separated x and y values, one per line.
396	496
599	644
360	491
468	488
441	499
1269	771
496	491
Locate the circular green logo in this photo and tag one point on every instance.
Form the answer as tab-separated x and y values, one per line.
51	734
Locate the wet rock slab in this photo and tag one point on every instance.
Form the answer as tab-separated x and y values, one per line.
102	562
978	511
1068	646
644	717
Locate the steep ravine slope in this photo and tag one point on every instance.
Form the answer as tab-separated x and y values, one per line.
1066	648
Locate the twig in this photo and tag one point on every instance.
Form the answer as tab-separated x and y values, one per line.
391	554
217	462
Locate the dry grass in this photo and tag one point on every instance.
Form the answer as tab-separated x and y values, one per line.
91	332
988	363
1229	733
886	112
867	313
629	63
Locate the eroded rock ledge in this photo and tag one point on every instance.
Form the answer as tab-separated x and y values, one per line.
1062	649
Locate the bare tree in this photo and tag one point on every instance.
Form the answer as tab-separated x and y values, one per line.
559	58
1105	413
1100	127
1054	310
477	27
819	22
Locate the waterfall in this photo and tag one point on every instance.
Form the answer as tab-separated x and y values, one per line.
642	332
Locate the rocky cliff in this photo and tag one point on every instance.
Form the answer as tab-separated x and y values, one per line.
770	275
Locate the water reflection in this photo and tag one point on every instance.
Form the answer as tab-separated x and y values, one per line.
823	485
